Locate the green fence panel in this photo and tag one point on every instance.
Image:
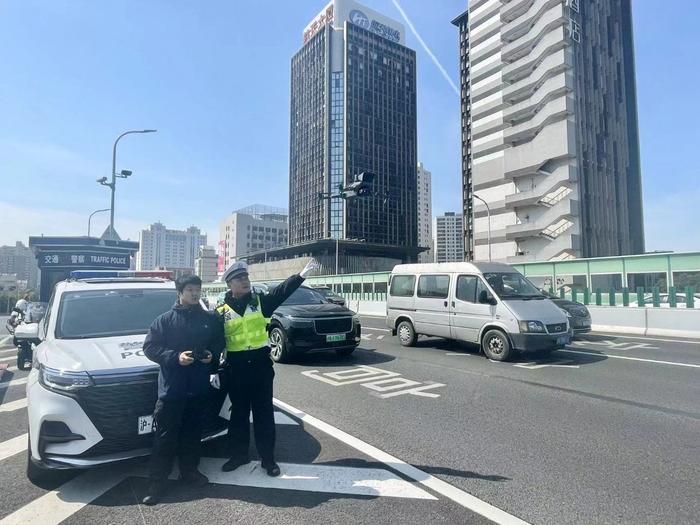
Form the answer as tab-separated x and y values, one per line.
562	293
672	299
586	296
574	295
640	297
625	297
655	297
689	297
611	297
599	297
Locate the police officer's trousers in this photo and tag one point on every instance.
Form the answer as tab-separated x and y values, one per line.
178	434
249	378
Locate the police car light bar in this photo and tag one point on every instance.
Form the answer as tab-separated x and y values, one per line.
110	274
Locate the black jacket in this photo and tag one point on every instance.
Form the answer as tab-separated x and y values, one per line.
268	302
180	329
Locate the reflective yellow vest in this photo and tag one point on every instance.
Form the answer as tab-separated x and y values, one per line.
246	332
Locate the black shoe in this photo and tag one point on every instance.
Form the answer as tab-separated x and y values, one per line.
272	468
156	489
234	463
194	478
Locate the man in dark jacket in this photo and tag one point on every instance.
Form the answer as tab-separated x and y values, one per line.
248	369
186	342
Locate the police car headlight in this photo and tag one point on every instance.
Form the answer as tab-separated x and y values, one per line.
62	380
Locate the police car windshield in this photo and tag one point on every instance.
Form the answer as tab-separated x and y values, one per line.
110	313
512	286
304	296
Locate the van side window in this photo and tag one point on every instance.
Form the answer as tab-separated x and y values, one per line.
466	288
402	285
433	286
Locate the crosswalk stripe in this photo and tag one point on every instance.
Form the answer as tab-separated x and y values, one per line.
13	446
11	358
14	382
13	405
316	478
66	500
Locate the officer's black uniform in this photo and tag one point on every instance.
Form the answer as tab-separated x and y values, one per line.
249	377
182	390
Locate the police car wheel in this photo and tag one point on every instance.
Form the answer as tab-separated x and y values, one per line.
496	346
279	345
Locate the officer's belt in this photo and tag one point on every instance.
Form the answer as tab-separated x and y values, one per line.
246	355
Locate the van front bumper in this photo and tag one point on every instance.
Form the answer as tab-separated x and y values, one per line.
536	342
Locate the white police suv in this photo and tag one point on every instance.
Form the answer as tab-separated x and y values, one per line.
92	391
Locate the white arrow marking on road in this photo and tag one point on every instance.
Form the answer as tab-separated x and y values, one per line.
380	337
459	496
14	405
366	337
316	478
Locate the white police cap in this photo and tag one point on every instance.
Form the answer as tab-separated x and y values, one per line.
235	270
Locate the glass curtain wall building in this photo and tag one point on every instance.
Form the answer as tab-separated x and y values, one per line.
353	110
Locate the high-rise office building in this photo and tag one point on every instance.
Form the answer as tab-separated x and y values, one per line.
549	129
353	110
252	229
449	246
425	213
169	249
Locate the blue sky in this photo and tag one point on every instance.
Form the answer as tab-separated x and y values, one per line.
213	78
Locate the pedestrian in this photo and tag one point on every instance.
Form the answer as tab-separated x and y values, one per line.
186	342
248	371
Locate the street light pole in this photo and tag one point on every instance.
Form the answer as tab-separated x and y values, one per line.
488	214
90	217
113	185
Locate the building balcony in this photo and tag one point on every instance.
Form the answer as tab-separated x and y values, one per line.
565	209
524	23
552	19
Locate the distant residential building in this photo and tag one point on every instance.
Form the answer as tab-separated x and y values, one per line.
19	260
252	229
549	130
425	214
163	248
449	239
205	265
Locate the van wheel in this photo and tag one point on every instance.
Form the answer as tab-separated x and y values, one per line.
496	346
406	333
279	345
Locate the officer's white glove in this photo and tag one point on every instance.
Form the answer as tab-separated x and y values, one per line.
214	381
310	268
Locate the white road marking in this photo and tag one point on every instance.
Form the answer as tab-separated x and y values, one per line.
380	337
66	500
14	382
13	446
456	353
5	340
316	478
644	338
377	329
554	364
437	485
13	405
9	351
632	358
11	358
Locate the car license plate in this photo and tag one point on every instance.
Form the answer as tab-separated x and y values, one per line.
563	340
146	425
332	338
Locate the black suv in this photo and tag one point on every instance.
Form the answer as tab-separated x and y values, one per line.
307	322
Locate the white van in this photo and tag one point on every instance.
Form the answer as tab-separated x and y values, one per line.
489	304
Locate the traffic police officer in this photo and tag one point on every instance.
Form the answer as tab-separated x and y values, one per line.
248	373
